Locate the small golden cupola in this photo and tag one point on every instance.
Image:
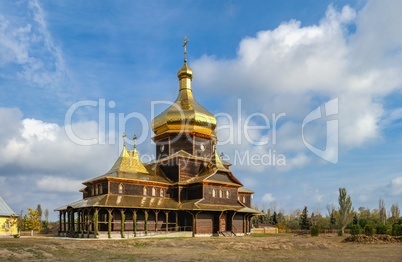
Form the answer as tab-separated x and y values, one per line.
185	114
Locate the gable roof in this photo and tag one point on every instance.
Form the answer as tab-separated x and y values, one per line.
5	210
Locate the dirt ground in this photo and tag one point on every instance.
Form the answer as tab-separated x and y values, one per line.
285	247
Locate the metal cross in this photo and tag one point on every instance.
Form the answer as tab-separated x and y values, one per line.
135	141
124	138
185	40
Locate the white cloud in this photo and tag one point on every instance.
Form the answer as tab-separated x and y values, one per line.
294	68
58	184
27	42
38	130
268	198
396	186
43	148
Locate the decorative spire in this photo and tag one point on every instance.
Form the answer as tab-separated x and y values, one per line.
216	160
185	41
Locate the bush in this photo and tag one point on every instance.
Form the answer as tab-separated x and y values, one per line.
396	230
315	231
382	229
355	230
368	230
340	232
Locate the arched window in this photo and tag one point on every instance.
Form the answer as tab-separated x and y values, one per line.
161	192
145	191
227	194
220	193
213	192
121	189
153	191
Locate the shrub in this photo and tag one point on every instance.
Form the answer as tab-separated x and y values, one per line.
315	231
396	230
368	230
382	229
340	233
355	230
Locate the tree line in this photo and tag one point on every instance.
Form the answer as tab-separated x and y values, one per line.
338	219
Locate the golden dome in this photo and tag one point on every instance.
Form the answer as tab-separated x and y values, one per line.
185	114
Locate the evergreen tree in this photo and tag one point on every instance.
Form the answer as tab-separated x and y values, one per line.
275	218
332	219
355	220
304	221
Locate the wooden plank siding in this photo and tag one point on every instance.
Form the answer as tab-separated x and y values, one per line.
204	223
223	200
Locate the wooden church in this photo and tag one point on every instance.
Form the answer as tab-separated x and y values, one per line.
187	188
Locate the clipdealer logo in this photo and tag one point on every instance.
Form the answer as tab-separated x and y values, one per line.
328	111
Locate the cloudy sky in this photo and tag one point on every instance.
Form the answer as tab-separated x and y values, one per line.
316	83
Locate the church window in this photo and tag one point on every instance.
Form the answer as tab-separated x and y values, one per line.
121	189
145	191
227	194
220	193
161	193
153	191
213	192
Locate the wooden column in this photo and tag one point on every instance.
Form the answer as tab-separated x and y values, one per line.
123	218
109	222
231	224
167	221
146	221
60	222
244	224
80	223
68	221
156	220
177	221
96	222
64	222
194	223
135	222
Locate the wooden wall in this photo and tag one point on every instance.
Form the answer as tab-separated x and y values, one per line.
238	223
204	223
208	195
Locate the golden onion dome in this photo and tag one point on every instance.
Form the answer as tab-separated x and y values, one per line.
185	114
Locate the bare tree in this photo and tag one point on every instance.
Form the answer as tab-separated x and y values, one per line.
395	212
272	206
345	209
382	211
330	209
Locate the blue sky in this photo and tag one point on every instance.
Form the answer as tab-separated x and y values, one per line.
276	57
